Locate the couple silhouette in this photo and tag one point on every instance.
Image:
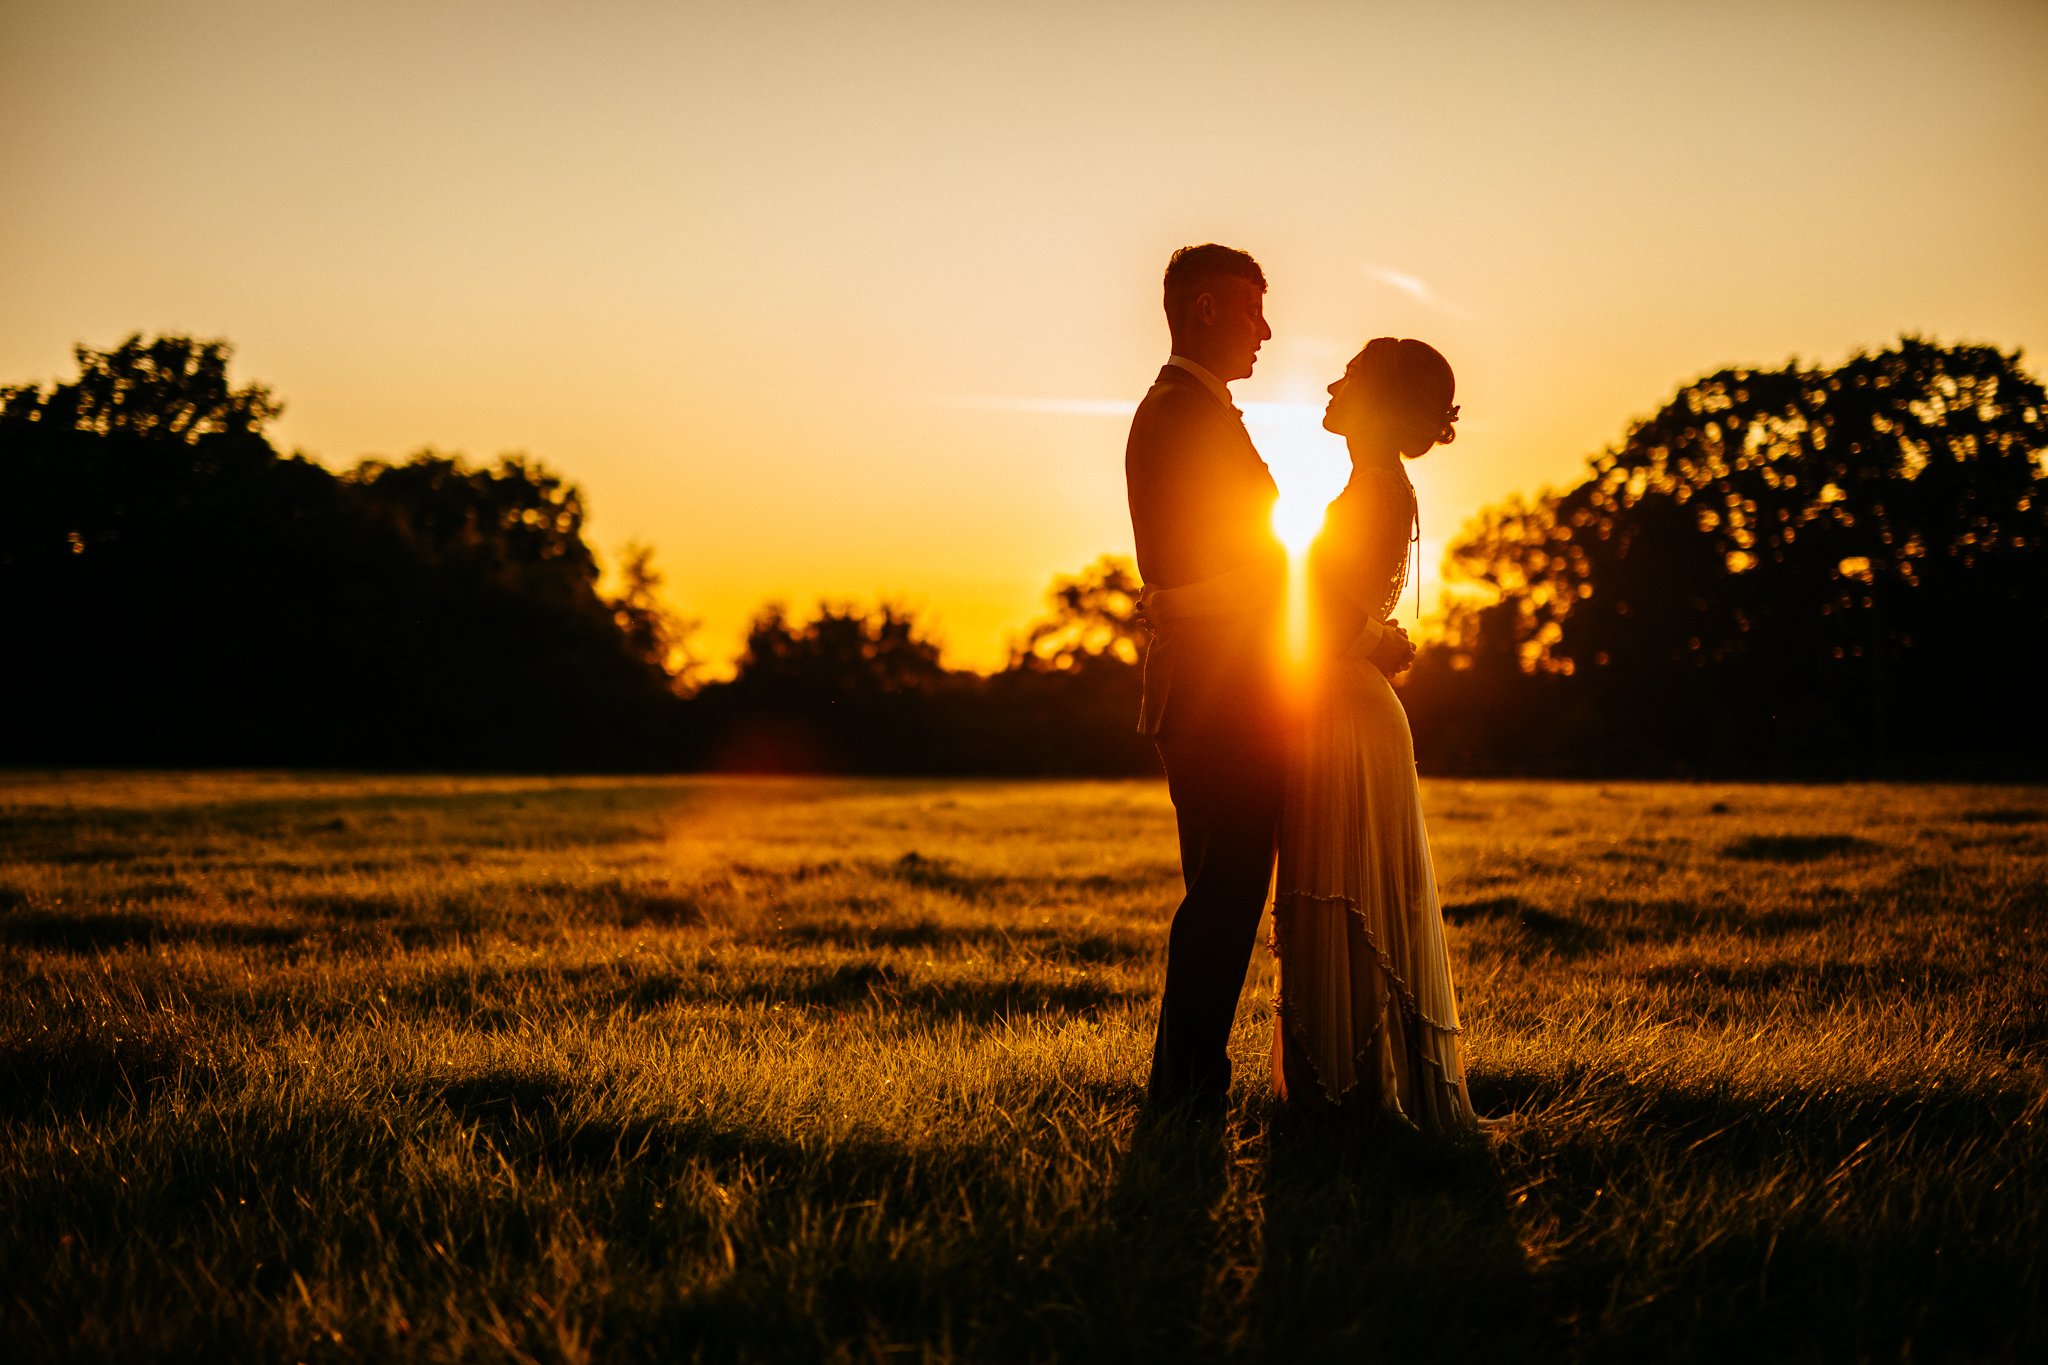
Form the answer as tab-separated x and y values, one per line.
1307	761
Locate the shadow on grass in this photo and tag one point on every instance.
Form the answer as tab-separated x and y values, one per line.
1386	1243
501	1095
941	874
1155	1244
1050	944
1808	983
536	819
1664	921
496	995
662	908
1125	1269
945	875
1532	930
1906	1222
502	994
1797	848
97	931
2006	815
978	1000
1600	923
1765	1126
1192	1244
89	1069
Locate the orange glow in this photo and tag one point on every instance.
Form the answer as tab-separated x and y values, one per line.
1297	598
1296	520
855	302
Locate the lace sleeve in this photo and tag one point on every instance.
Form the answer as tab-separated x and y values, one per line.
1399	531
1368	563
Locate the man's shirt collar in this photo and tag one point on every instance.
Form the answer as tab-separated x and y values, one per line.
1209	381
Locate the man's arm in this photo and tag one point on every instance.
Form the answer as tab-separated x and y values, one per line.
1164	475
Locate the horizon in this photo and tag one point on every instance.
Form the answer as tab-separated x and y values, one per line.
856	309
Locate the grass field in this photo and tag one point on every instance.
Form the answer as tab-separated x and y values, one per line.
309	1068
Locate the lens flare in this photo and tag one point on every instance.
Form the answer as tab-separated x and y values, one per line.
1297	601
1296	519
1309	467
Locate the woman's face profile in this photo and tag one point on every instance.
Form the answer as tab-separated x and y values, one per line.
1346	407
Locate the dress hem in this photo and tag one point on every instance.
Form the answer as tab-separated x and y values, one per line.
1337	1097
1386	961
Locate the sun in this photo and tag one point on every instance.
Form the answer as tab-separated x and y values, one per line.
1308	463
1297	517
1310	467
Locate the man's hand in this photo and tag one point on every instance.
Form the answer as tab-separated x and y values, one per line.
1394	652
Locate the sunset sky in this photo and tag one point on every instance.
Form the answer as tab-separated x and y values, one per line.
853	300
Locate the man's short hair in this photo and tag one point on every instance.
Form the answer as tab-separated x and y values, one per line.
1194	268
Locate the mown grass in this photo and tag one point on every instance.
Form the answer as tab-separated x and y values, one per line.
335	1068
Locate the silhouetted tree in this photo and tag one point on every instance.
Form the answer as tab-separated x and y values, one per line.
172	390
1068	701
654	633
1796	570
846	691
839	652
1094	619
865	691
134	497
1799	571
172	590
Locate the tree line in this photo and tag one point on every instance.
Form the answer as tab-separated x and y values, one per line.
1806	571
1799	572
174	590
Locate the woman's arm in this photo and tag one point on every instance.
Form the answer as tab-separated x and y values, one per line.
1360	566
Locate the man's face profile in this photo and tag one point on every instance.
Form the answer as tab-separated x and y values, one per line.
1236	310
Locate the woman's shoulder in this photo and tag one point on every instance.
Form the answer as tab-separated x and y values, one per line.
1373	513
1374	494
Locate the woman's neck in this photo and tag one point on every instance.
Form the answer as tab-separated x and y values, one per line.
1370	453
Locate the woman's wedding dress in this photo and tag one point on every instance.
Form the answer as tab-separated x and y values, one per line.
1366	1010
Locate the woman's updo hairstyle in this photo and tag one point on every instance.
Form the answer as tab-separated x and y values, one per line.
1411	379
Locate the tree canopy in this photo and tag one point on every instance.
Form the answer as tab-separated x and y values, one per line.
1795	570
1807	571
176	590
1093	621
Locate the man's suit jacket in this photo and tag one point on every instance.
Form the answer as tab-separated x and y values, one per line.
1202	505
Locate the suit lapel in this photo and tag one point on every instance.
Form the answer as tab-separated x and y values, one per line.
1175	375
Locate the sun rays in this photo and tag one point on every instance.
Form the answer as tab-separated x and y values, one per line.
1308	464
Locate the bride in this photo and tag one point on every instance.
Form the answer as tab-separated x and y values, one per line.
1366	1014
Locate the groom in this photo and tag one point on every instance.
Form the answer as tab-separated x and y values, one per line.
1202	505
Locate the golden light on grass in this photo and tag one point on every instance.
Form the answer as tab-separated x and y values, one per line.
406	1002
675	1026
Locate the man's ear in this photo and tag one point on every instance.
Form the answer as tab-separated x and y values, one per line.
1205	308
